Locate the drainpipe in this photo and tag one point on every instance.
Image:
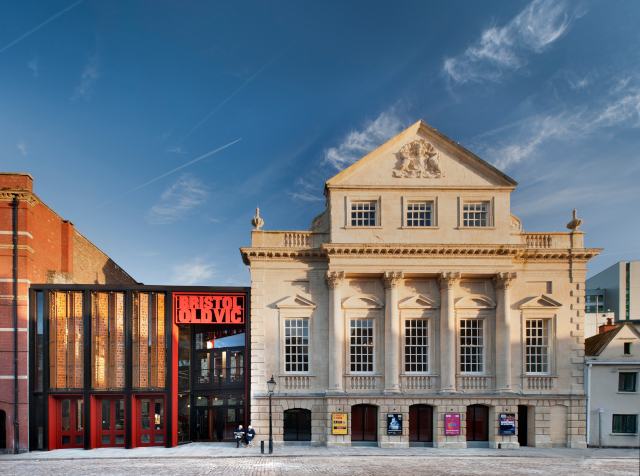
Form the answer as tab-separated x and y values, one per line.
589	398
16	423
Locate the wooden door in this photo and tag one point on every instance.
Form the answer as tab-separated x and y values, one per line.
364	423
421	423
522	425
152	426
71	423
297	425
477	423
110	421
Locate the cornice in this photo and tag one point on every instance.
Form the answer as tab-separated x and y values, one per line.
282	254
23	196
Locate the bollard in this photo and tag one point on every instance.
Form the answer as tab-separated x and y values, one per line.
262	447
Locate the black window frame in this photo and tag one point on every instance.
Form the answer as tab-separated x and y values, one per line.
626	378
627	424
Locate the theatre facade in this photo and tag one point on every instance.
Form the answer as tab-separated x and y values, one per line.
130	366
417	312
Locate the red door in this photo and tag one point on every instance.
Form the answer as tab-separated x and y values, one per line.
363	423
110	421
71	423
420	423
151	431
477	423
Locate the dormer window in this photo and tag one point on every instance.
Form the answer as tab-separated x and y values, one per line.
363	213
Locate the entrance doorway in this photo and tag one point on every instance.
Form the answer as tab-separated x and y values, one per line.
297	425
363	424
522	424
71	422
110	419
151	431
3	429
218	424
477	426
420	425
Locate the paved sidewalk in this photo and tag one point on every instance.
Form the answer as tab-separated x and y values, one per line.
229	450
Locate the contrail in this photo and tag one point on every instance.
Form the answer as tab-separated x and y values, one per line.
41	25
236	91
170	172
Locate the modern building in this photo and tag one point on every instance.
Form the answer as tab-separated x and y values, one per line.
593	321
612	374
416	311
616	289
132	365
36	246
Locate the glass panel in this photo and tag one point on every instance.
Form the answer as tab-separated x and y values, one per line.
146	438
159	417
120	414
39	340
159	438
119	439
184	413
79	415
66	440
106	439
144	419
106	414
204	363
79	440
184	357
66	340
149	340
107	340
40	422
66	415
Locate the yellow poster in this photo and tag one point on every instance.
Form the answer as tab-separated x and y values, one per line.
339	426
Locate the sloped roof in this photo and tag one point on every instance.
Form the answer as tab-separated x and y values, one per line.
595	344
425	128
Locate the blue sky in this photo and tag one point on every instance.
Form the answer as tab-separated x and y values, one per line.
108	96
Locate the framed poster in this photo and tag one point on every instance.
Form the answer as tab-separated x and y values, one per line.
507	423
339	424
451	423
394	423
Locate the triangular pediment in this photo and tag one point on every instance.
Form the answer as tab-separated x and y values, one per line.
475	301
418	302
362	301
422	156
296	301
540	302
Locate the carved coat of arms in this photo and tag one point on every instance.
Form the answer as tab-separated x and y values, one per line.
419	159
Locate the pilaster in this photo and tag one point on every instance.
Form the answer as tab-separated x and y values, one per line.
334	281
447	283
391	280
502	283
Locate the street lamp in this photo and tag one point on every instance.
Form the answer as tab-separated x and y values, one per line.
271	385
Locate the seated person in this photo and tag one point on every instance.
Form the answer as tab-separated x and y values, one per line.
239	433
250	433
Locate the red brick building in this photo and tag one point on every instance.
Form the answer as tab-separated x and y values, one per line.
48	250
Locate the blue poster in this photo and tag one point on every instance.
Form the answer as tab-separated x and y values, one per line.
507	424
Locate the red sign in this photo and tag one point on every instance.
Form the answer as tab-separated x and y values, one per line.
208	308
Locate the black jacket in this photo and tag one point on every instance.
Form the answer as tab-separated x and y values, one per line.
250	433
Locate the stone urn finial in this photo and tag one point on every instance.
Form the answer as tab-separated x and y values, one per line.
574	224
257	222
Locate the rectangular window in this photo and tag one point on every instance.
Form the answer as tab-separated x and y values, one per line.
627	348
627	382
39	341
416	345
537	346
472	345
107	341
625	424
66	340
149	340
363	214
475	214
362	346
419	214
296	345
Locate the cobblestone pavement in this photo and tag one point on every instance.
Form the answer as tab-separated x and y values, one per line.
334	465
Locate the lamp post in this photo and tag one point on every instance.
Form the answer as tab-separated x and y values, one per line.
271	385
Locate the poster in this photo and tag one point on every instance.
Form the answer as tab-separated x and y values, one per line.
394	423
339	424
507	424
451	423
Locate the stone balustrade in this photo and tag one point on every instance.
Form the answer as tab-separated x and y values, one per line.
418	382
288	239
474	382
296	383
546	240
539	383
362	382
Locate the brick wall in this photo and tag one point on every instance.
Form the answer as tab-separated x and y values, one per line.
92	266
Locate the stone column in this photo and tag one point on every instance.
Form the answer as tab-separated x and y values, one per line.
502	283
336	331
391	281
447	283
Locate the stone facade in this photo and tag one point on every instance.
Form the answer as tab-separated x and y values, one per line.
470	264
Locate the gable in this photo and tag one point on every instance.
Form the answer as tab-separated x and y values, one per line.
362	301
475	301
614	347
421	156
540	302
296	302
418	302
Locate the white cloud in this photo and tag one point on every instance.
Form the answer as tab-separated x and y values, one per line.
177	150
306	197
186	193
89	76
33	65
503	50
357	144
193	272
22	147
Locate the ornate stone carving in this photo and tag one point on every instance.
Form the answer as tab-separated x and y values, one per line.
257	221
504	280
419	159
320	224
574	224
391	279
515	225
334	279
448	280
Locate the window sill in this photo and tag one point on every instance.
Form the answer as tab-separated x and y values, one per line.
627	393
349	227
477	228
419	227
623	434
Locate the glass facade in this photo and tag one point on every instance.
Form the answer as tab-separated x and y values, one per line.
149	340
66	340
107	341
